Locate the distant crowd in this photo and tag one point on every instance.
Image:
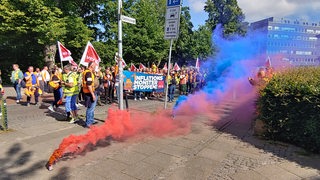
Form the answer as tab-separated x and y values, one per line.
93	85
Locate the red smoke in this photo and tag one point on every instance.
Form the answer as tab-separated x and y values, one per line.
122	125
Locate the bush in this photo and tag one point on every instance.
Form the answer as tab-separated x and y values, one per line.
289	106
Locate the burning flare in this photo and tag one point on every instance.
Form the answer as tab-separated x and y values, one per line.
120	125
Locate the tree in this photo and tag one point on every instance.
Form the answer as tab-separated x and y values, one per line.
184	50
144	42
202	42
77	36
31	28
192	44
27	27
227	13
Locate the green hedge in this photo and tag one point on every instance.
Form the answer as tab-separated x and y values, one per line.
289	106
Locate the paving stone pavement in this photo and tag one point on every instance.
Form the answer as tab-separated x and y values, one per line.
224	150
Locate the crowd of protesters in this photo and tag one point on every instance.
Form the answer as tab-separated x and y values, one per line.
187	80
91	86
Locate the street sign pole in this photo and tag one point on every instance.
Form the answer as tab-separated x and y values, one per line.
171	32
168	73
119	58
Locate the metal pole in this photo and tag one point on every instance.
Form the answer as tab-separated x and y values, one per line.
120	55
169	61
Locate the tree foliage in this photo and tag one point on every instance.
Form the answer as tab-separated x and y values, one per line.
227	13
30	29
28	26
144	42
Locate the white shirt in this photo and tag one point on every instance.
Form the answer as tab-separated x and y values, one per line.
46	75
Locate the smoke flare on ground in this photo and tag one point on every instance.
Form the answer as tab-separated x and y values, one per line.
121	125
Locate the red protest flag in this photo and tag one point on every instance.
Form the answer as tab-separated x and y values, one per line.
141	66
176	67
165	67
133	67
124	64
197	64
65	54
90	55
268	62
73	63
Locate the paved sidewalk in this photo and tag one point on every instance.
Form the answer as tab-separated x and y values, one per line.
225	150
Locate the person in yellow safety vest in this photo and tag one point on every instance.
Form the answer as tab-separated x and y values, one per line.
262	78
171	80
16	79
154	68
71	91
32	86
89	93
55	83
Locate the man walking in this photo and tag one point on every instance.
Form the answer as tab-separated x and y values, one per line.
45	78
70	90
16	78
89	93
32	86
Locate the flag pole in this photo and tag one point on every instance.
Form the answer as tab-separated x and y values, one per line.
168	73
60	55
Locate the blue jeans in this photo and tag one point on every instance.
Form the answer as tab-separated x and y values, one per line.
74	102
118	93
17	87
171	91
137	93
57	96
90	109
61	93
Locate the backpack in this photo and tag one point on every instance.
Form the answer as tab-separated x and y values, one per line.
53	84
173	81
23	83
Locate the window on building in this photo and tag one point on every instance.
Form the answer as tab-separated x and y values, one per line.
276	28
269	27
309	31
303	52
313	38
288	29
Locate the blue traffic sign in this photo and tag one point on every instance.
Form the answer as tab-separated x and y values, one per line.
173	2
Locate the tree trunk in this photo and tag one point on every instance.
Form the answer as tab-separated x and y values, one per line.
49	55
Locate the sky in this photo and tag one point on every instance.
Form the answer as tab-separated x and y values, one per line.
255	10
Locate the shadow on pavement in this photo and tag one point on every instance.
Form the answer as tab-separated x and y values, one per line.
15	163
240	126
63	173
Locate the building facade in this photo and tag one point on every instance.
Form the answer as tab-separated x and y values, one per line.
294	41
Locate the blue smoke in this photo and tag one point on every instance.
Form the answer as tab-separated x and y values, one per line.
235	60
